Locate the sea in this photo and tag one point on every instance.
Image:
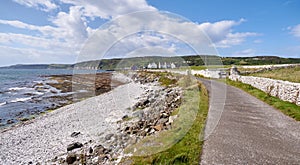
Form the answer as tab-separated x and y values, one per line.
21	99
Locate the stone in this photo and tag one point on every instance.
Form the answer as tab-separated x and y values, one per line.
99	149
162	121
75	134
74	146
172	118
71	158
164	115
158	127
90	150
108	136
10	121
125	117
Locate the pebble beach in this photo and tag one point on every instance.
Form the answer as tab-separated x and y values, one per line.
48	135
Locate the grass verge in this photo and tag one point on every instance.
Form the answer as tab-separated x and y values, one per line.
287	108
188	148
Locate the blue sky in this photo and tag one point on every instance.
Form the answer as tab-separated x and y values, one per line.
57	31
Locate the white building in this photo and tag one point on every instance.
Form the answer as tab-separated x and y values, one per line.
152	65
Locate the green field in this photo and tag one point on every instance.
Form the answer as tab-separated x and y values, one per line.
288	74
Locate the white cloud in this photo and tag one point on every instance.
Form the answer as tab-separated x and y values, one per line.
246	52
14	55
258	41
220	33
72	26
295	30
109	9
22	40
44	5
232	39
71	30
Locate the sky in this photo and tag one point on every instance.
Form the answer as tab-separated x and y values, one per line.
68	31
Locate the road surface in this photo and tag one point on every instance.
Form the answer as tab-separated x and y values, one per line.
247	131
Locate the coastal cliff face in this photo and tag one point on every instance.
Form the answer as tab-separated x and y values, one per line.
284	90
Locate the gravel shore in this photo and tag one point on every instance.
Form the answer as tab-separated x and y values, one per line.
49	135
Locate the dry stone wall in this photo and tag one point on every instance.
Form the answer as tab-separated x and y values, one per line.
284	90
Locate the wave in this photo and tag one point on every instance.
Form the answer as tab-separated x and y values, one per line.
20	99
16	88
3	103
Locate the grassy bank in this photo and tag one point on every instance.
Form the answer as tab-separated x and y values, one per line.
182	144
287	108
287	74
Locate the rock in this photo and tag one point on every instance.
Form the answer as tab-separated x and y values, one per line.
54	159
71	158
103	158
10	121
158	127
75	134
172	118
90	150
162	121
125	117
143	133
164	115
74	146
108	136
100	150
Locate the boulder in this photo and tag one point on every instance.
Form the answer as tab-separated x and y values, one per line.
71	158
108	136
10	121
74	146
75	134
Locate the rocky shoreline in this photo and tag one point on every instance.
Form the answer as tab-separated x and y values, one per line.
148	116
56	91
104	132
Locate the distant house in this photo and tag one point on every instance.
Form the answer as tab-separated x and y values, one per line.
152	65
172	65
161	65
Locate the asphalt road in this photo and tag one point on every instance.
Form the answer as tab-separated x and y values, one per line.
241	129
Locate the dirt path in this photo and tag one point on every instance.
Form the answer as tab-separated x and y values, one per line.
248	131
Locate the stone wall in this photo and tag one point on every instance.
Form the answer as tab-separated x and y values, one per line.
284	90
276	66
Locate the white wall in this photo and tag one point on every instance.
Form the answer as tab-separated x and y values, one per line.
284	90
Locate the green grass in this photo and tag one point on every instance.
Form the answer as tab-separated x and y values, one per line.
287	108
166	81
182	144
288	74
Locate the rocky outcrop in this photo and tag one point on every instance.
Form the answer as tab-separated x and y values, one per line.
284	90
153	112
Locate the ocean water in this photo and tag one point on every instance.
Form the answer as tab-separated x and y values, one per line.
20	97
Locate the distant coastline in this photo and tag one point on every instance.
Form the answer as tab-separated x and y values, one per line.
142	62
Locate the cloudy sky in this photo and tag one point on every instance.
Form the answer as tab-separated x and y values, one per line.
59	31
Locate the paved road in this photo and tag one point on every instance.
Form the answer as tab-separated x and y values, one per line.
248	131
